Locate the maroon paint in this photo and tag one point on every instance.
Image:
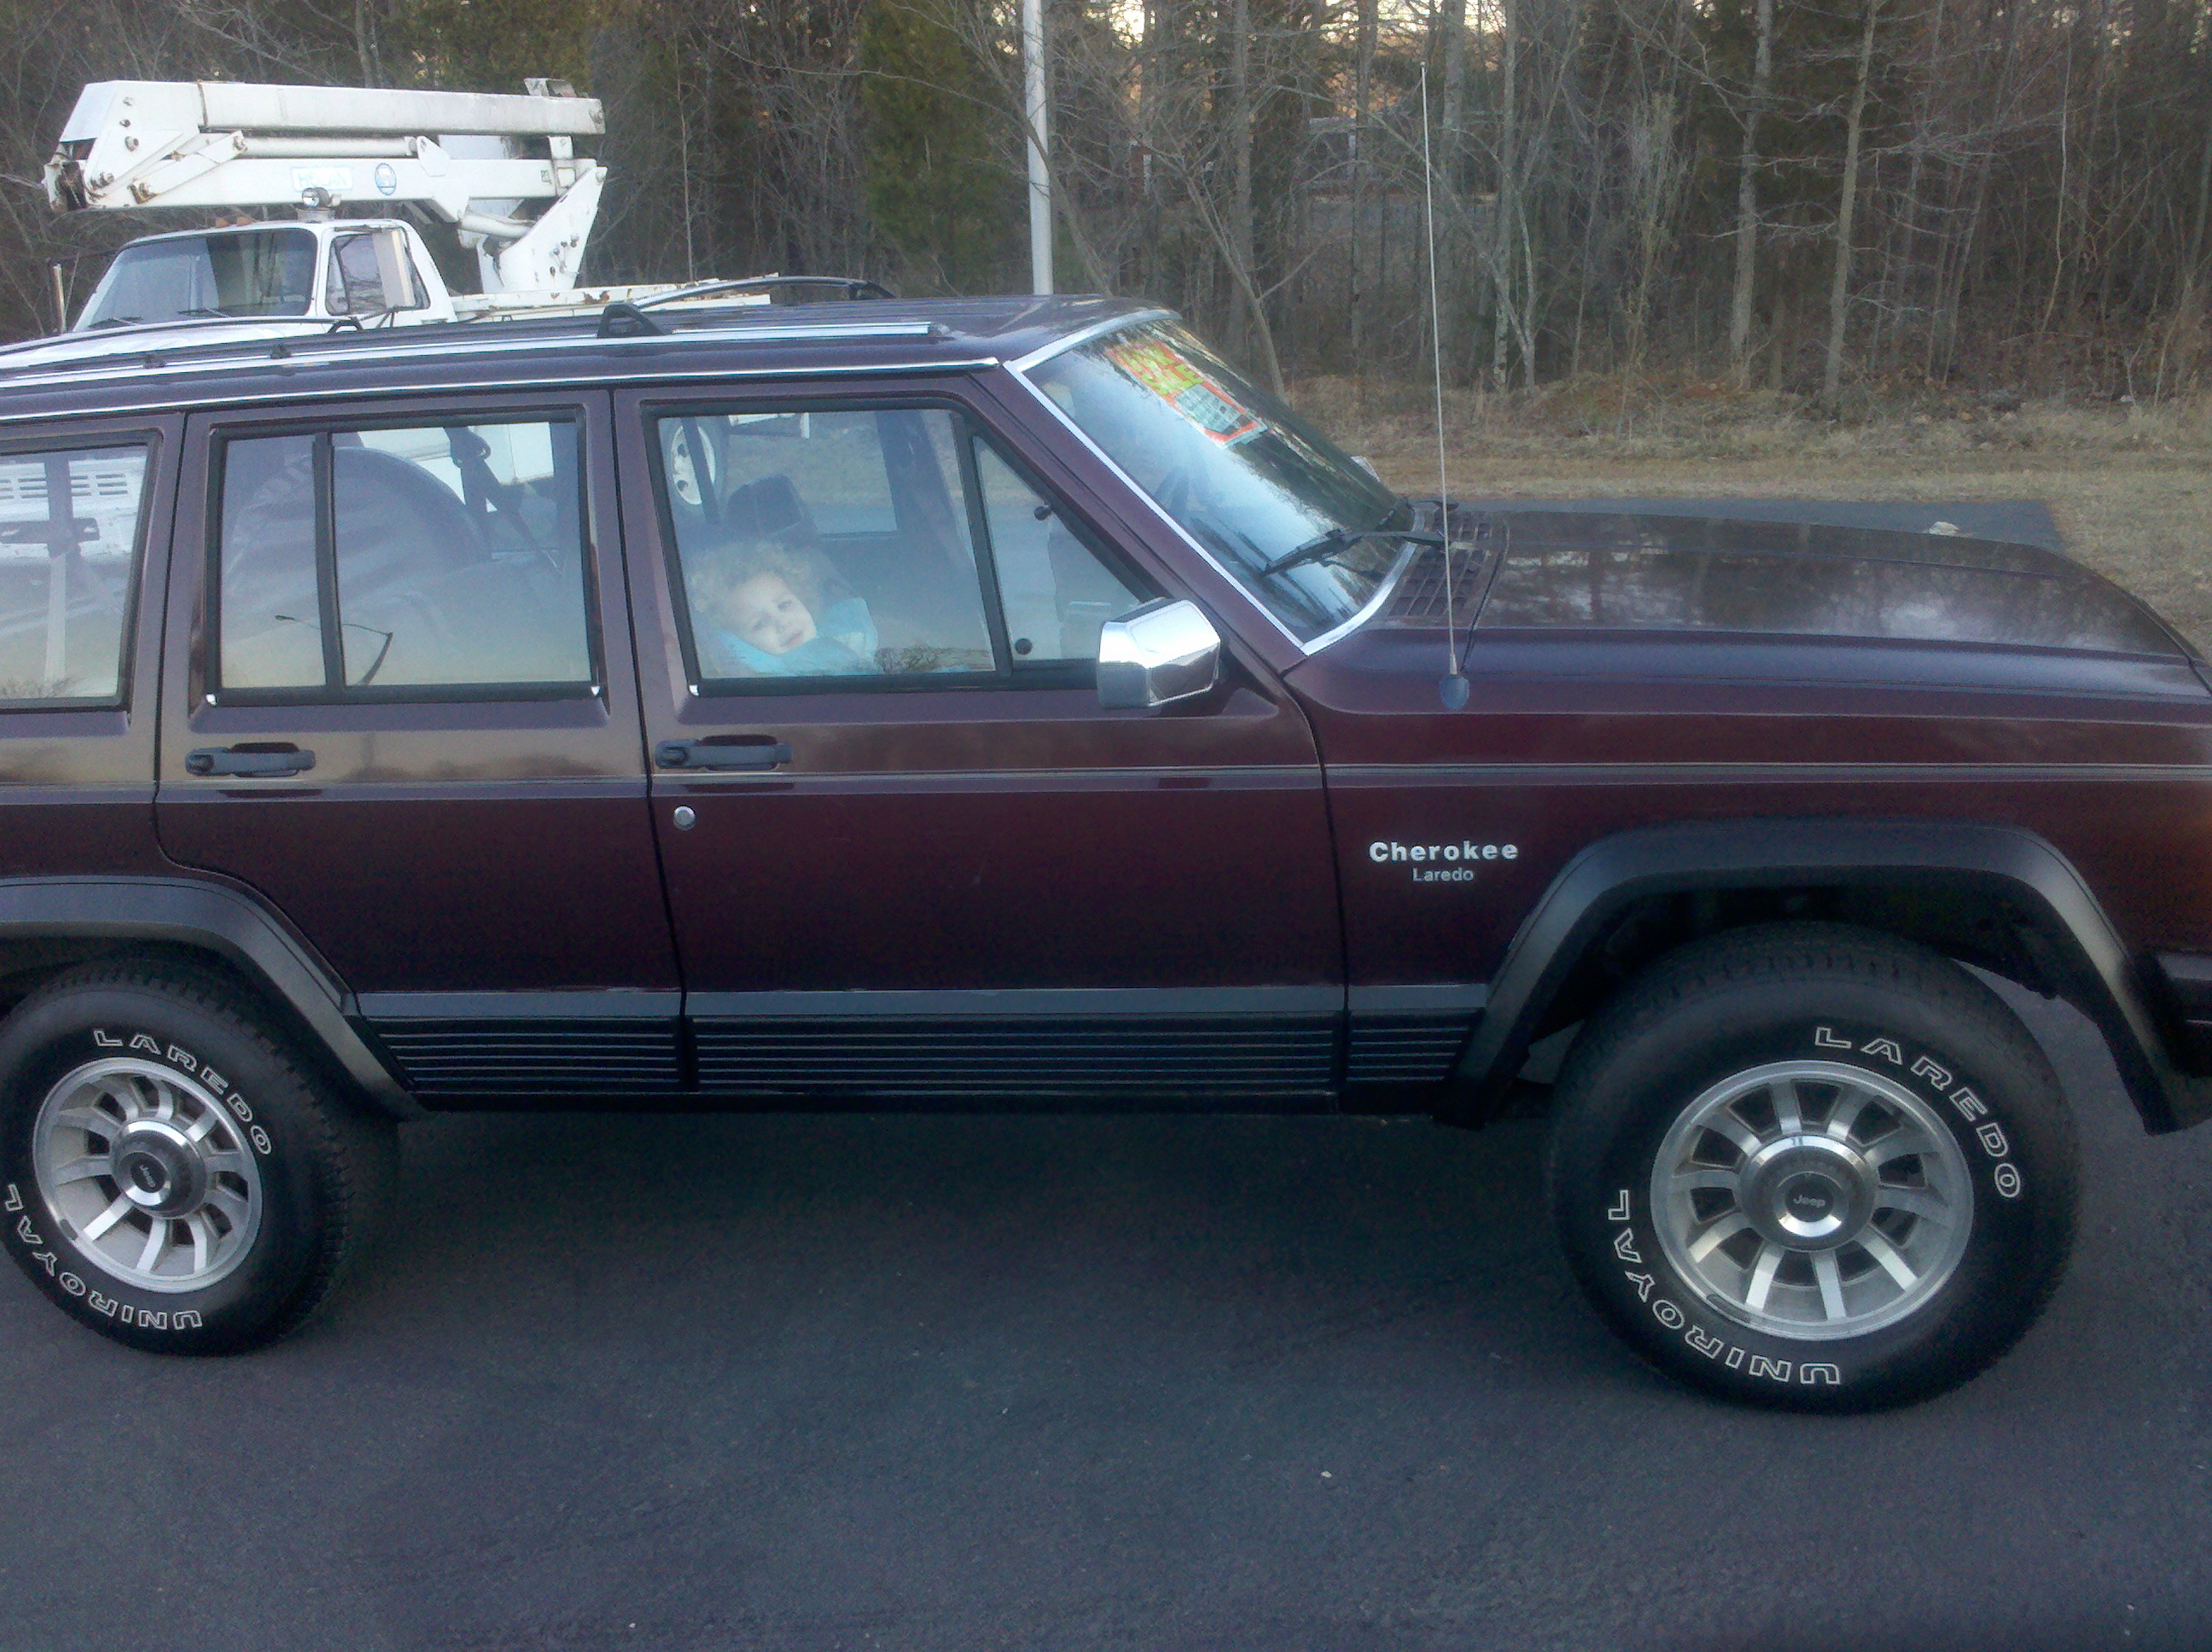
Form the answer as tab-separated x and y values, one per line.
1568	738
470	845
78	786
985	837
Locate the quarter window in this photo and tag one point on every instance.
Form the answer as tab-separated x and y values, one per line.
827	545
70	537
370	562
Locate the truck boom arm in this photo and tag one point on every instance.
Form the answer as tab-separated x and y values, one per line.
464	156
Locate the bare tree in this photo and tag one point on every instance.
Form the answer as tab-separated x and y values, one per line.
1747	200
1840	284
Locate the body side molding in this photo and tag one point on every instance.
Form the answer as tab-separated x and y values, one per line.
214	917
2091	967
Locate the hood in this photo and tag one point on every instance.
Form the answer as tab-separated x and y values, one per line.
1561	570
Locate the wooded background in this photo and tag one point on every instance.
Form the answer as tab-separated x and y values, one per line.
1832	198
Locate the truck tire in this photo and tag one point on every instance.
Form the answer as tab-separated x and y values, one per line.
1812	1167
171	1174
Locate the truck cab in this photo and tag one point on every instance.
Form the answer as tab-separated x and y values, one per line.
376	271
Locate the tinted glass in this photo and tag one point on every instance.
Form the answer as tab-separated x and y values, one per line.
457	551
252	272
1055	592
271	627
69	554
1243	475
829	544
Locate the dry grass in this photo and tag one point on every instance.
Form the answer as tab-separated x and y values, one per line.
2130	486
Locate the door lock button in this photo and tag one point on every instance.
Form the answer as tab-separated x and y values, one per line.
684	818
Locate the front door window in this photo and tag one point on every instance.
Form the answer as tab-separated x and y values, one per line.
869	550
825	544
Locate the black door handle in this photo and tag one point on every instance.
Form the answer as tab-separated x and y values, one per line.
248	759
700	754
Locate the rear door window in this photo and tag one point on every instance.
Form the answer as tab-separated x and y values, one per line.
403	560
71	531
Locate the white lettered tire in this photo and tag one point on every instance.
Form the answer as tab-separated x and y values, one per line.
171	1174
1810	1166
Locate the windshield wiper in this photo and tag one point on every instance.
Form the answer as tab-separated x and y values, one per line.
1338	540
225	314
115	321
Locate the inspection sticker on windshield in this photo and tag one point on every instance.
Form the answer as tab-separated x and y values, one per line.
1168	374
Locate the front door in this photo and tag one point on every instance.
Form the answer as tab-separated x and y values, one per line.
399	703
907	850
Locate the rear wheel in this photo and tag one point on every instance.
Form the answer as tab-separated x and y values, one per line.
170	1174
1807	1166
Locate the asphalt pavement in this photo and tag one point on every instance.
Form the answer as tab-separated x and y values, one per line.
979	1382
1144	1384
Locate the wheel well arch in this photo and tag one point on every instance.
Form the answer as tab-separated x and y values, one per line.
50	925
1995	897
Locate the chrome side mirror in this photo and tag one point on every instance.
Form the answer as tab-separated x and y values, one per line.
1165	651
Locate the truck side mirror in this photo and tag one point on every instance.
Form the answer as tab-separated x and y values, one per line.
1165	651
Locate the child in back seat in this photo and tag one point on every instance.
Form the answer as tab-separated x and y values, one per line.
758	621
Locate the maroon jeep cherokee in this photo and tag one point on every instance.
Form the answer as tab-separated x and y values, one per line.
1006	704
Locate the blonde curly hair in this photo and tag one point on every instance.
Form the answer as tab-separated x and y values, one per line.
709	582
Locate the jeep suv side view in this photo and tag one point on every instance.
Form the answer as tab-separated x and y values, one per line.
996	703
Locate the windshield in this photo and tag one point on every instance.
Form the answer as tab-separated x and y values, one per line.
1246	477
247	272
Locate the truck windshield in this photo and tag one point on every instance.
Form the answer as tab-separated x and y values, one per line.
243	272
1244	476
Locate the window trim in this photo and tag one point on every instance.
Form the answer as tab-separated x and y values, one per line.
147	439
322	431
968	429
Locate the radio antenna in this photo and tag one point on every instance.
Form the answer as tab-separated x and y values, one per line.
1452	689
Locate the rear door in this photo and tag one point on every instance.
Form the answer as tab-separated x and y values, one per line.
946	869
400	703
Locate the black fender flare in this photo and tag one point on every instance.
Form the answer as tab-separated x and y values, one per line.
212	917
2090	965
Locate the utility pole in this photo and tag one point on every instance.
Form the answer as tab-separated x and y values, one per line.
1037	108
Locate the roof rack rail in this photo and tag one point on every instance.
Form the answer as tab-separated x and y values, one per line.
856	288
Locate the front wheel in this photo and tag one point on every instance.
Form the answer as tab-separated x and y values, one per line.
1808	1166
